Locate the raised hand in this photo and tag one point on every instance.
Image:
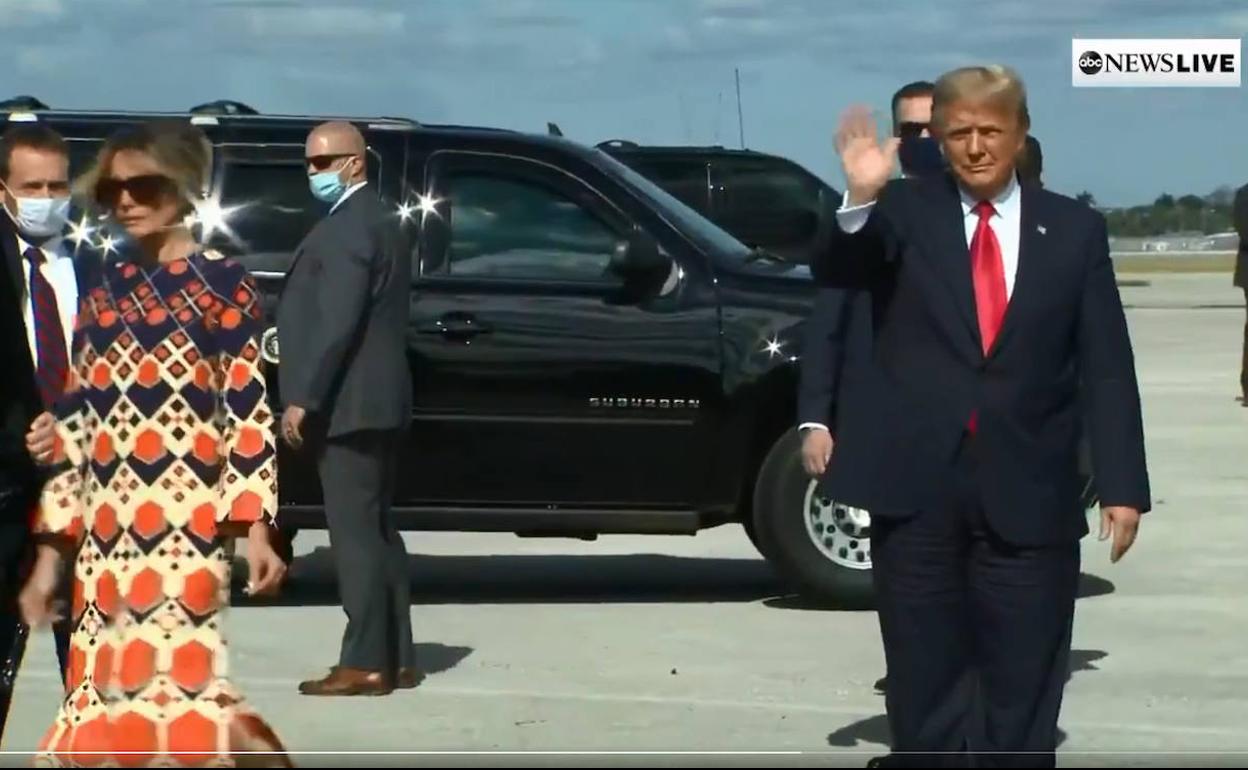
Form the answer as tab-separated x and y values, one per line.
867	163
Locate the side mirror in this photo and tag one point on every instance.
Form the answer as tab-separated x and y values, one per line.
807	225
639	261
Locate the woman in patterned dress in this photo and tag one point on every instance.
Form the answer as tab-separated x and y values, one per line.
167	447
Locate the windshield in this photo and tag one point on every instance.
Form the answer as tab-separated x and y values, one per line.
702	231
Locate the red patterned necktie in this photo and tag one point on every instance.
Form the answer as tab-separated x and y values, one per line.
53	370
988	275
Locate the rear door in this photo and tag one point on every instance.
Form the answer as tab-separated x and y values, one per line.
258	212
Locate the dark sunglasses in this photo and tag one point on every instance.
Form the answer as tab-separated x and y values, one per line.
323	162
144	190
911	129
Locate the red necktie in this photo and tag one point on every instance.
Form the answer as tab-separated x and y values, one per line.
53	370
988	275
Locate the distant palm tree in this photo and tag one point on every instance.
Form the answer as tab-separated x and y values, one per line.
1086	198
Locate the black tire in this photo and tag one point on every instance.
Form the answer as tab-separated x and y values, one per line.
752	533
780	525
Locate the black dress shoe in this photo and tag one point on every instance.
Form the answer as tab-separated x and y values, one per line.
888	760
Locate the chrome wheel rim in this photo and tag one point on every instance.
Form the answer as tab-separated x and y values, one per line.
841	533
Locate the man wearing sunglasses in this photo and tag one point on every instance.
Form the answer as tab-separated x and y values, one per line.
39	292
838	337
346	393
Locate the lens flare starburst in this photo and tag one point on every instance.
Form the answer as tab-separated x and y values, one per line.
213	219
426	204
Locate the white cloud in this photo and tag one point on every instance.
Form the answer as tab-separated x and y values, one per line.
30	13
344	23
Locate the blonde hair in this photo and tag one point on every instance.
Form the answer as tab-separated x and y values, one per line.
181	151
993	84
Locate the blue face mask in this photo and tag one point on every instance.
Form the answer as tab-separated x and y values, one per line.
40	217
327	186
920	156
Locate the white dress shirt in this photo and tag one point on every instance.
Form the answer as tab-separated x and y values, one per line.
58	269
350	191
1006	224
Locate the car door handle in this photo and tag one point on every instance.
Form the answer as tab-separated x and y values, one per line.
455	326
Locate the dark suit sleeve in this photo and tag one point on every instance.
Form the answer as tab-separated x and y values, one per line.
854	260
341	284
1111	394
822	354
1239	214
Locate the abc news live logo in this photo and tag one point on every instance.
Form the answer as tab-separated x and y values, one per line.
1201	63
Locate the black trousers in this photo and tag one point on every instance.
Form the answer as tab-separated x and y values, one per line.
1243	366
14	634
358	483
976	632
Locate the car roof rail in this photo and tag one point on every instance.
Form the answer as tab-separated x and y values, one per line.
618	143
224	107
22	103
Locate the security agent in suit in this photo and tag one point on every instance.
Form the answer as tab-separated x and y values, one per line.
838	334
20	480
838	327
346	389
1239	215
40	286
998	319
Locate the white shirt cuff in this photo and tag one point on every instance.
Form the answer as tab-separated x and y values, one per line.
852	218
816	425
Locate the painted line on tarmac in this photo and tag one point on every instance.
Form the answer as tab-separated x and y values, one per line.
274	684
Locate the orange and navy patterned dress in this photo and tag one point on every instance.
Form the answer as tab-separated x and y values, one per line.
166	433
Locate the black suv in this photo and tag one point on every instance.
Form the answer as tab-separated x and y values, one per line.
765	201
589	354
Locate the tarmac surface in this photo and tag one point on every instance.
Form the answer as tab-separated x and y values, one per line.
658	644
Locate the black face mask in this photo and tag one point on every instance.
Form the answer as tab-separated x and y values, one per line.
920	156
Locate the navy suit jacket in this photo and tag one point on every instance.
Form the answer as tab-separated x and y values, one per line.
1063	348
20	479
836	340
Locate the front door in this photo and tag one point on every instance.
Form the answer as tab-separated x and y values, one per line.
537	382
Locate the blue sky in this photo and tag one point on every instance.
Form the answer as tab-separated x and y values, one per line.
648	70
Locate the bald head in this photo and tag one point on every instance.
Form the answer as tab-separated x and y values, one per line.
337	146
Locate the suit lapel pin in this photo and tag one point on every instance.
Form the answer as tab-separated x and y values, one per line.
1040	229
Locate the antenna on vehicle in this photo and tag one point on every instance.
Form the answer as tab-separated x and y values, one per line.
740	115
553	129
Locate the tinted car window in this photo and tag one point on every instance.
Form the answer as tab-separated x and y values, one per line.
768	204
511	227
82	154
268	207
693	225
685	180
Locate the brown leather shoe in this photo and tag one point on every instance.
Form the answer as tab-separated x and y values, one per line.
343	680
409	678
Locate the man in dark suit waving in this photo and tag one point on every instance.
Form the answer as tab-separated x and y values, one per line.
997	319
346	387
